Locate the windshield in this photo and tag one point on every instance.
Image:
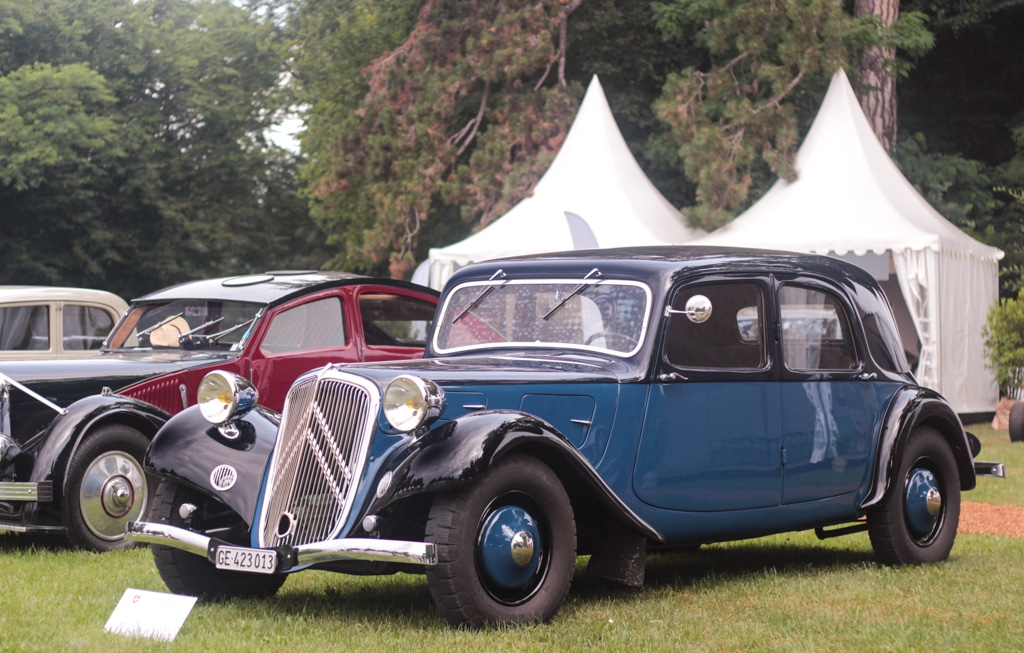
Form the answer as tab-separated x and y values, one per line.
605	315
186	324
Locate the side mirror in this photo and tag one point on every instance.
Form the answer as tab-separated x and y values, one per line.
697	309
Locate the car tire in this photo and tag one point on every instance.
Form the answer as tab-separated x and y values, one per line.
917	520
106	488
506	546
1017	422
193	575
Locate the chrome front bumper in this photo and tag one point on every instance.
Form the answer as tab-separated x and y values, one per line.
365	549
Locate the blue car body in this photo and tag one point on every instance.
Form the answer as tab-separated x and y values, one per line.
678	396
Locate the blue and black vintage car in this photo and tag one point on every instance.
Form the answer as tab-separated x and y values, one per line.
594	403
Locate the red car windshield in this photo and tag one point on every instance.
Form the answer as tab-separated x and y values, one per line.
186	324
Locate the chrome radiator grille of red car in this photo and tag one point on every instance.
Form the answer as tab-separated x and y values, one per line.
325	433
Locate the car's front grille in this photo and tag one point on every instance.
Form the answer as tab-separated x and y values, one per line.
321	448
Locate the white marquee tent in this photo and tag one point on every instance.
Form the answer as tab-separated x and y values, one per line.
593	182
851	201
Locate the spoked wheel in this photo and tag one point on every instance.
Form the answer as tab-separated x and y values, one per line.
106	488
917	521
506	546
187	573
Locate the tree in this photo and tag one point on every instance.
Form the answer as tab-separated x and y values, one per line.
737	120
466	112
132	152
879	96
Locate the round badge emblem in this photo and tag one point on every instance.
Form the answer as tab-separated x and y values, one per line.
223	477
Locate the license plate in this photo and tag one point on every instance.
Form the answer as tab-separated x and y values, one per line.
257	561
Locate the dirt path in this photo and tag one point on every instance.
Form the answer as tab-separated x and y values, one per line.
991	519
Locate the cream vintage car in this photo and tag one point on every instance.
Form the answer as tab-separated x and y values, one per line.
55	322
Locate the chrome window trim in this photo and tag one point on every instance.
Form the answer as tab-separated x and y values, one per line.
443	313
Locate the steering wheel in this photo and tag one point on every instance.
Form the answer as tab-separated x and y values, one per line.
612	335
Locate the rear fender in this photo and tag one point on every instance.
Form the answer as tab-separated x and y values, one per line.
189	448
911	407
458	452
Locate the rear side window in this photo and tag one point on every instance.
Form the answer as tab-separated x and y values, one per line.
815	331
85	327
25	328
395	320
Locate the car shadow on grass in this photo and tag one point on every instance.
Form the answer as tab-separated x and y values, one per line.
404	600
684	569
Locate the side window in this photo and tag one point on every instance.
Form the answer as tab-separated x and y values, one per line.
85	327
815	331
732	337
25	327
395	320
314	325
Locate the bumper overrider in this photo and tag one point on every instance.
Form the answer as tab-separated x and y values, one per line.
287	557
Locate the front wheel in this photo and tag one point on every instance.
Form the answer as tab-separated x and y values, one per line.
106	488
506	546
187	573
917	520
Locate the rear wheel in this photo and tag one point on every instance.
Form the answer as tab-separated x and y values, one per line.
917	520
106	488
1017	422
506	546
187	573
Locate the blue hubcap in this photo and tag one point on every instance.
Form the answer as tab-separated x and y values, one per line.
923	503
510	548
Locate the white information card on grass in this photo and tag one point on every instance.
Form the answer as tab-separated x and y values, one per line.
156	615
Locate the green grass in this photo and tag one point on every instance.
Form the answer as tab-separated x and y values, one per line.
788	592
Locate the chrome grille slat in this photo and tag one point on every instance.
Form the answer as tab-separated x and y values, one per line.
321	449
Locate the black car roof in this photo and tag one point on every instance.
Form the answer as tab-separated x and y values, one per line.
268	288
658	263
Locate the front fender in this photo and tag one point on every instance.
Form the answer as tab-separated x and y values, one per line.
459	452
62	437
910	407
188	448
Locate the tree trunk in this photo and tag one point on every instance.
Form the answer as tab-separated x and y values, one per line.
879	97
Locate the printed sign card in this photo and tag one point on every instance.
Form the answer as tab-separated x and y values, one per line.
150	614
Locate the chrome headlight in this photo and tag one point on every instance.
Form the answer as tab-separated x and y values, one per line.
223	396
410	402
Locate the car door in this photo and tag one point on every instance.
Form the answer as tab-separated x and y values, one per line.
712	435
300	336
831	405
393	323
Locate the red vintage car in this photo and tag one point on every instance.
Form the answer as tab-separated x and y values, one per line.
73	433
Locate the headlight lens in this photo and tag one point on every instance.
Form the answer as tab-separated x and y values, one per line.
223	396
409	402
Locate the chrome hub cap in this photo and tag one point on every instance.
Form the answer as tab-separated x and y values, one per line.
922	504
508	555
113	492
522	548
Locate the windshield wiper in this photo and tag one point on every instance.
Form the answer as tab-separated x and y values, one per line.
159	324
212	338
593	274
500	274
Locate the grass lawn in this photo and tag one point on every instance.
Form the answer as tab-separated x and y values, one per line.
788	592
